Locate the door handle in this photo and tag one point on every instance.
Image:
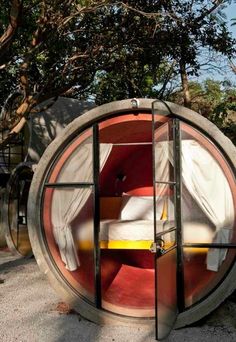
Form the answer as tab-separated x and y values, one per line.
158	247
153	247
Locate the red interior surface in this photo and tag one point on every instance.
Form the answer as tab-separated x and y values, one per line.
128	275
132	161
128	278
135	164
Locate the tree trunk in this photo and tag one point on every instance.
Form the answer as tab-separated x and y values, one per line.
22	111
185	87
14	18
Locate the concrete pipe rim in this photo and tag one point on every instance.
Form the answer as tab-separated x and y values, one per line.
37	238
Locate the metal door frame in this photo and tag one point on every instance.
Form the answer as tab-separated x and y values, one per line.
177	184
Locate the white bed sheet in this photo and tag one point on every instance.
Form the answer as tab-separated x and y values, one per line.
118	230
137	230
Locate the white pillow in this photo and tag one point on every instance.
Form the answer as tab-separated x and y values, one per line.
139	208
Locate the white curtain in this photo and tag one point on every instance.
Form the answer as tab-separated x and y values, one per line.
162	167
207	184
67	203
209	187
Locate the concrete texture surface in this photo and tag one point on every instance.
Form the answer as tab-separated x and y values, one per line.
2	231
29	311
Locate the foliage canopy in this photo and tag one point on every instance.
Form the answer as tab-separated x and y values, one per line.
107	49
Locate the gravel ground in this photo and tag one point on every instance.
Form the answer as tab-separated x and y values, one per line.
29	312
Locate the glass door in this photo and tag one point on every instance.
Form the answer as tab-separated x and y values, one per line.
167	219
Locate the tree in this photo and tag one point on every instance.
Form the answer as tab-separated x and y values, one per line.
215	100
10	31
64	47
189	27
171	36
139	78
53	51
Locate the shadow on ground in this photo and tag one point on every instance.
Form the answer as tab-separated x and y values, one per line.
32	311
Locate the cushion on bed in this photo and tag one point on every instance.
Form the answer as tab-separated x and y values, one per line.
139	208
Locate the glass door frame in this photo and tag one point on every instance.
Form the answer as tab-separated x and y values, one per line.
174	126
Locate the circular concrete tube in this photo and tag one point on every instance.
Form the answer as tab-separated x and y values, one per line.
14	205
2	231
37	238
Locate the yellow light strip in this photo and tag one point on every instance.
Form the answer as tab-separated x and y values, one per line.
117	244
132	244
126	244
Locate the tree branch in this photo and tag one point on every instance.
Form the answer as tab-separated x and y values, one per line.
150	15
216	4
232	66
14	19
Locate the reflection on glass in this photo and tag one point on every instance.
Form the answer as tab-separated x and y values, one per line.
72	225
199	280
164	153
160	116
167	240
165	202
165	213
166	293
164	173
165	220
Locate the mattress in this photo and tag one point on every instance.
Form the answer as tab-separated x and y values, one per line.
122	234
122	230
138	234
